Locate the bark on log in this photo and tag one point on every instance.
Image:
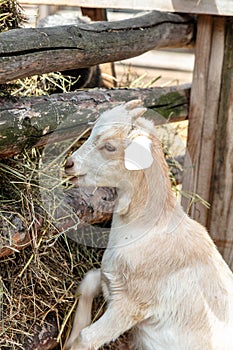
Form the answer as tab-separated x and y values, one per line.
36	121
79	205
107	69
26	52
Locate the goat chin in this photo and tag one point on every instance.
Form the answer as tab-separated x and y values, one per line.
161	273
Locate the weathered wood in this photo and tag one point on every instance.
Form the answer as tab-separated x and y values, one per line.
220	221
216	7
26	52
210	142
95	14
203	112
79	206
36	121
107	69
89	77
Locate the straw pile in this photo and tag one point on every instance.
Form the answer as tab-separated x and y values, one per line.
38	285
11	15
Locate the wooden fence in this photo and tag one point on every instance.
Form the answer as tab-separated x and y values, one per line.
215	7
210	140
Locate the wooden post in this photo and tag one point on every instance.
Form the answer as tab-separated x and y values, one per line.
210	137
205	95
95	14
220	219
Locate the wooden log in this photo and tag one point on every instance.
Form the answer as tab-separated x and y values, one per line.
78	207
26	52
89	77
107	69
220	220
36	121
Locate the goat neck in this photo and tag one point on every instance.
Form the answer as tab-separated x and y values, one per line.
146	202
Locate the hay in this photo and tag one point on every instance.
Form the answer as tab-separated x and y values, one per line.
38	285
44	84
43	278
37	282
11	15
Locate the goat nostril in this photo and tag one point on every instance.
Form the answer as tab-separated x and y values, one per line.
69	163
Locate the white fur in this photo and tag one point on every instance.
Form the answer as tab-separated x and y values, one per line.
161	273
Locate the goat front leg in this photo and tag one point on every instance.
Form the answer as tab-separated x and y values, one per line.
89	288
118	318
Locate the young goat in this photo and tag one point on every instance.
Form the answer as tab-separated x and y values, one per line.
161	273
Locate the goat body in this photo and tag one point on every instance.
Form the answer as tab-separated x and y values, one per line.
161	273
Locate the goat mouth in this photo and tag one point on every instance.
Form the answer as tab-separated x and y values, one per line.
76	179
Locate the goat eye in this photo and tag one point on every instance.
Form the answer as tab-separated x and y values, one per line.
109	147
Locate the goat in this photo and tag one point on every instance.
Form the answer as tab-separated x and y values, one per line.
161	272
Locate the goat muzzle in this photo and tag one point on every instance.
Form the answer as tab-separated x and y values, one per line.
69	164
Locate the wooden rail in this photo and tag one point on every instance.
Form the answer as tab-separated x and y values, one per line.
36	121
30	51
213	7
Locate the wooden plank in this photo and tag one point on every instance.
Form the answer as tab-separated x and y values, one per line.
203	112
214	7
221	217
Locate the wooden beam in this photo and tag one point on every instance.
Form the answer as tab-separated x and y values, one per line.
214	7
204	104
210	141
29	51
80	205
36	121
220	221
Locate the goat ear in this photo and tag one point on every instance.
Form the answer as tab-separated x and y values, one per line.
138	154
135	109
